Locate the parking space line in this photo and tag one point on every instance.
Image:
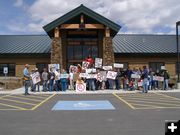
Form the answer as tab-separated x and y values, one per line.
155	99
129	100
135	104
12	106
45	100
27	103
28	98
8	109
167	96
38	97
124	101
160	107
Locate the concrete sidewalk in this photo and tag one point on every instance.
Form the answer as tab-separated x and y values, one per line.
21	91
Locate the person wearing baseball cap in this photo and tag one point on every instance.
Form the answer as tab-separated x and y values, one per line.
26	79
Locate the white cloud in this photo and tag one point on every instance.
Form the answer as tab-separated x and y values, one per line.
135	16
18	3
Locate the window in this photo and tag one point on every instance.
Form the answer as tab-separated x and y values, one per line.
156	65
41	66
177	67
11	69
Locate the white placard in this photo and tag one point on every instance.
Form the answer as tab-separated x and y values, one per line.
5	70
111	75
83	75
91	76
80	87
163	67
85	64
35	77
91	70
73	69
135	76
64	76
54	67
140	83
98	62
107	67
158	78
103	75
117	65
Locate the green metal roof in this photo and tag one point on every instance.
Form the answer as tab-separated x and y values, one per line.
144	44
24	44
79	10
122	43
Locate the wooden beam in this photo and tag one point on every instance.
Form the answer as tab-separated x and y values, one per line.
94	26
107	32
87	26
56	32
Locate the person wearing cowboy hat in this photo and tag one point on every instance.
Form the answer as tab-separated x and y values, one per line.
26	79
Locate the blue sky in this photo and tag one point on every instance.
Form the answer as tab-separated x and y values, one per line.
135	16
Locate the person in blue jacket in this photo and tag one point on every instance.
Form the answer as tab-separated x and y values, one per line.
63	80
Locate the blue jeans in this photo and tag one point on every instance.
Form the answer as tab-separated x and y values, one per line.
111	83
90	83
45	85
63	86
165	84
117	82
26	85
51	85
145	85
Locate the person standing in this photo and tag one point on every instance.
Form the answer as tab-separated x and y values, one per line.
26	79
45	80
63	81
51	81
166	80
145	79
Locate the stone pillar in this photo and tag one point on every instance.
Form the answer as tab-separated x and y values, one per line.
56	51
108	52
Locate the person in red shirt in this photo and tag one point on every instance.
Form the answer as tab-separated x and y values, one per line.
90	60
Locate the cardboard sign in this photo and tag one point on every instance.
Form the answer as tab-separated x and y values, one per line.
64	76
107	68
98	62
53	67
117	65
83	75
35	77
135	76
85	64
158	78
103	75
5	70
99	77
111	75
91	76
91	70
73	69
163	67
140	84
81	87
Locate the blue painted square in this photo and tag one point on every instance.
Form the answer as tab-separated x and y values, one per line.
83	105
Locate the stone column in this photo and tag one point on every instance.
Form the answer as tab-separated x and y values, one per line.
108	52
56	51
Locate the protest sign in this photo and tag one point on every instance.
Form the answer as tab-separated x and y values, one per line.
163	68
64	76
98	62
91	76
73	69
107	67
80	87
117	65
111	75
83	75
103	75
135	76
35	77
91	70
53	67
158	78
85	64
140	83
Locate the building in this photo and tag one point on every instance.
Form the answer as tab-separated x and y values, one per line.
82	32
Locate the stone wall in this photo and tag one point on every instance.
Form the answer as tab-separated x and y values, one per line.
56	51
108	53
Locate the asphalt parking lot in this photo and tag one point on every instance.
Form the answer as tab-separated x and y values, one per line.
134	113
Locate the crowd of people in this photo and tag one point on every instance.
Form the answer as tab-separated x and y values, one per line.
54	81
